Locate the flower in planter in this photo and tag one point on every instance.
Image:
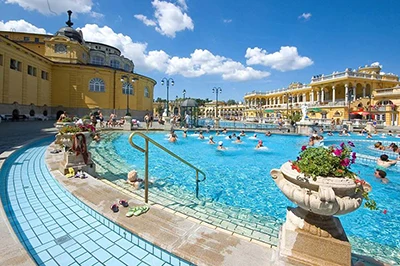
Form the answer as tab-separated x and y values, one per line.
70	129
333	161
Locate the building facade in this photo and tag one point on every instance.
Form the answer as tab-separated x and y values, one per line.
48	74
361	93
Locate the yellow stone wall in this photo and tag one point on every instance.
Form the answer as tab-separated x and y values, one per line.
67	84
18	86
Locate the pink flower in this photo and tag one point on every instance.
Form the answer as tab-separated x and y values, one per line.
337	152
351	144
345	162
303	148
342	145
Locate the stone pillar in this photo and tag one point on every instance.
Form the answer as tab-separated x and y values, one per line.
279	100
322	95
364	94
346	93
297	98
318	99
333	94
304	98
354	94
312	96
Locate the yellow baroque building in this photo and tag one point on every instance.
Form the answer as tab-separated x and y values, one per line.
44	75
363	93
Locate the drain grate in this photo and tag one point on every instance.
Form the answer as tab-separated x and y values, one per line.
62	239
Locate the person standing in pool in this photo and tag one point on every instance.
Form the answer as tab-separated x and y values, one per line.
384	161
184	135
238	140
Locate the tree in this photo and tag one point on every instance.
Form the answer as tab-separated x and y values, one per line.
231	102
159	100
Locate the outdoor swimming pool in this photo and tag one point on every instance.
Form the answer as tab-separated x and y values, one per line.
239	177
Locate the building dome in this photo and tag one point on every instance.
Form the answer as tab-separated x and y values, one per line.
70	32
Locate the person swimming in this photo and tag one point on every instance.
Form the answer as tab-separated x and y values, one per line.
211	140
384	161
221	146
201	136
260	144
184	134
268	134
238	140
242	134
381	175
173	137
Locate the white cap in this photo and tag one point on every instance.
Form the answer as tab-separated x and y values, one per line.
220	143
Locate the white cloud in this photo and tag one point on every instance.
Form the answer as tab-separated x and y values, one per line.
55	6
168	18
305	16
20	26
145	20
286	59
227	20
96	15
201	62
183	4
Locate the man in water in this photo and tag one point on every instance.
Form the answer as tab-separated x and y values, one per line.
381	175
221	146
260	144
384	161
211	140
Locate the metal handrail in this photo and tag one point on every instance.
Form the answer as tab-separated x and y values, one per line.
146	162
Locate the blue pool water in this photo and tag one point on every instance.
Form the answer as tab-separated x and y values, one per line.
240	177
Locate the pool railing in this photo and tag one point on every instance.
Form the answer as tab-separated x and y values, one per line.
146	162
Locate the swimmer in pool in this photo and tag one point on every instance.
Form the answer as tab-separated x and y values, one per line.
221	146
260	144
211	140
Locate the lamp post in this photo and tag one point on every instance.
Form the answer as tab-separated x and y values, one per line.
168	81
128	91
184	94
216	90
288	98
348	95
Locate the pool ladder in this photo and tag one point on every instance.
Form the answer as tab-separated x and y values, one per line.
146	162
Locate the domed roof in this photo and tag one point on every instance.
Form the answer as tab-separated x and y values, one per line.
189	103
68	31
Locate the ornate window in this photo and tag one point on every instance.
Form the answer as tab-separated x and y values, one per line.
96	85
60	48
114	63
97	60
127	88
146	92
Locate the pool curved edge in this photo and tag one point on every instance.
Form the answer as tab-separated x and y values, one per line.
180	235
14	253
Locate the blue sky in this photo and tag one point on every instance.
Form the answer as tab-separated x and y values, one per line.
238	45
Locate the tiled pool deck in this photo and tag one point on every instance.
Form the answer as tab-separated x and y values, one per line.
60	228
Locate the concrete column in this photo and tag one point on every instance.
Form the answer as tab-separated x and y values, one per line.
312	96
364	89
322	95
279	100
292	99
333	94
346	93
318	99
354	94
304	98
297	98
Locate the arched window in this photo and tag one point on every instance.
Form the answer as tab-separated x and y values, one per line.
127	67
146	92
96	85
127	88
114	63
97	60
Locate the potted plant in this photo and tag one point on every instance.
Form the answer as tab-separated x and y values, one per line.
320	182
65	134
67	121
326	174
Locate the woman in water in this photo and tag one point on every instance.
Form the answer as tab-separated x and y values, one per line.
211	140
260	144
221	146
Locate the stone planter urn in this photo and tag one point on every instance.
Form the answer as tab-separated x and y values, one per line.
66	139
128	122
60	125
310	234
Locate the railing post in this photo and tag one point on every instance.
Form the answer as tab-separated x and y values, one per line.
197	184
146	172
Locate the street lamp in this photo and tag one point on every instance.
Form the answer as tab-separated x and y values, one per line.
288	98
184	94
128	89
216	90
172	84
